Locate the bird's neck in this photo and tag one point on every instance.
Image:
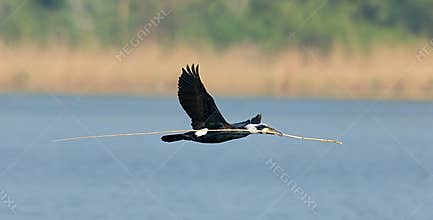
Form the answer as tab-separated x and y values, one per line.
252	128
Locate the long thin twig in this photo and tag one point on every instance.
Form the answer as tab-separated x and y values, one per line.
210	130
313	139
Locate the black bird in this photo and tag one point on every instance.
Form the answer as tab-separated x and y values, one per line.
205	116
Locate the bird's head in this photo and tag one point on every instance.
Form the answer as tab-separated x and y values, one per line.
263	128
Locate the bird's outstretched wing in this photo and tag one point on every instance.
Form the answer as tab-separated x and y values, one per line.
197	102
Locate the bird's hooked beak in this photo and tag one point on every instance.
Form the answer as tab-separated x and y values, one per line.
272	131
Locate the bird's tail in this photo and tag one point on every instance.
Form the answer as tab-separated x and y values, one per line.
173	137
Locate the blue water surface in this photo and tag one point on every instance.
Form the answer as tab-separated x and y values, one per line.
382	171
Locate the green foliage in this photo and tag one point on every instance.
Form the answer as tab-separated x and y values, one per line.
221	23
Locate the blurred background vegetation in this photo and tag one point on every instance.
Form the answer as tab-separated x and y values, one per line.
221	23
294	48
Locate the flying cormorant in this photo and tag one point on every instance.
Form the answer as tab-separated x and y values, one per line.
205	116
208	123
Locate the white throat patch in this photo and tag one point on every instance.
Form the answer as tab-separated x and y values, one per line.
201	132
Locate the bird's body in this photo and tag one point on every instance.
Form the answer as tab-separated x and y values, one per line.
209	137
205	116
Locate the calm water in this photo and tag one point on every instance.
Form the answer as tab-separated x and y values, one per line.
383	171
